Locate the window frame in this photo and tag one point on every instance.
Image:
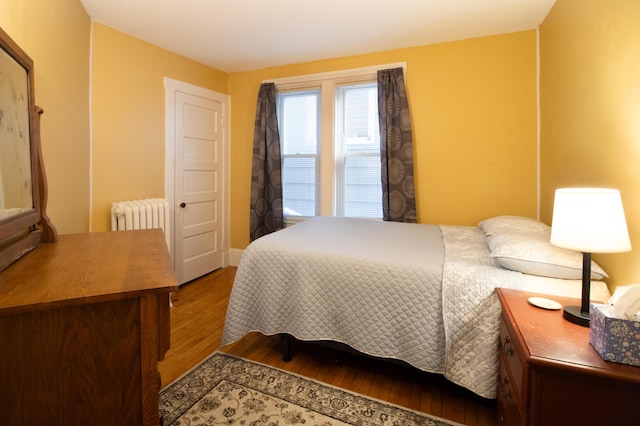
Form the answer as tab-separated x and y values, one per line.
328	82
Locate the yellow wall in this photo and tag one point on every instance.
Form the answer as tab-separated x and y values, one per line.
473	109
590	110
55	34
473	106
128	107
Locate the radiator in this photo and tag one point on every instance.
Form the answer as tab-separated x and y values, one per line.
141	214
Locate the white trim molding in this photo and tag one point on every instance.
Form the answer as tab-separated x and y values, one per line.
347	74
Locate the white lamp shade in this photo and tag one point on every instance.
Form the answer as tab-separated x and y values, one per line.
590	220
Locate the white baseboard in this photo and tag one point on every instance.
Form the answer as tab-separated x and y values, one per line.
234	256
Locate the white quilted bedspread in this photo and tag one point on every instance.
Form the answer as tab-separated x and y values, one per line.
379	287
471	309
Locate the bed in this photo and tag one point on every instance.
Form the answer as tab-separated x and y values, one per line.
419	293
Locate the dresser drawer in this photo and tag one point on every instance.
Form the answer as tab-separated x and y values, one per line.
510	409
514	366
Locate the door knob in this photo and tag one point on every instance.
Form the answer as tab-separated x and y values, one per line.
183	205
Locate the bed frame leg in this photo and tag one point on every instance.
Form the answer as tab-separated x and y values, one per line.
286	357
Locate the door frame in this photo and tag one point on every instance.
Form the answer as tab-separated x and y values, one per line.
171	87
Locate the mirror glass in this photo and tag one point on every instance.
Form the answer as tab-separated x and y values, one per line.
24	224
16	191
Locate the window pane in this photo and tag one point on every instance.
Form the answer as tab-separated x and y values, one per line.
299	122
363	188
299	186
358	154
361	129
299	136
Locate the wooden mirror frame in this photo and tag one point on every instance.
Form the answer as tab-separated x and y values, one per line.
23	232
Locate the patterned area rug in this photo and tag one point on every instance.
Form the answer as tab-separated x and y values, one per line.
225	389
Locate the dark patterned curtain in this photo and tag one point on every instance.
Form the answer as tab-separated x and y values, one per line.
396	148
266	171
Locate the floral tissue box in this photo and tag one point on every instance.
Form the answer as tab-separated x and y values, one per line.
615	339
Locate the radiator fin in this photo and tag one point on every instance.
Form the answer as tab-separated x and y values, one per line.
141	214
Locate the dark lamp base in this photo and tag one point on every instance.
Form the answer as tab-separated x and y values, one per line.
575	315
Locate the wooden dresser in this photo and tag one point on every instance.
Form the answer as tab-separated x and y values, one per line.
83	324
551	375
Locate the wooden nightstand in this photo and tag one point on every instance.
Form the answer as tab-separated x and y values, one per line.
551	375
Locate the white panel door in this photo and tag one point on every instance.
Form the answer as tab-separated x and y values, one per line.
197	192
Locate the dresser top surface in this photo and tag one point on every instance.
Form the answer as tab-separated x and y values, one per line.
87	268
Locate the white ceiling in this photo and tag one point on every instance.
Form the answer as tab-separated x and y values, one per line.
243	35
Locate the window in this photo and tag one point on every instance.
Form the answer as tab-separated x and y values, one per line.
358	185
298	118
330	141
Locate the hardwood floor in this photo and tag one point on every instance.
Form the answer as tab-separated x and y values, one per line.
197	321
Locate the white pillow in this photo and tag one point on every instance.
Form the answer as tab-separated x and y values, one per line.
535	255
514	224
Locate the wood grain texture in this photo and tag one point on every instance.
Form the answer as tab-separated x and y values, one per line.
83	323
71	363
551	340
564	380
197	321
99	266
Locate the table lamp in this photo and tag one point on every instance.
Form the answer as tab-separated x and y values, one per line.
589	220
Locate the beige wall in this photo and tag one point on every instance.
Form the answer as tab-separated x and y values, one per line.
128	107
56	35
590	110
473	106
